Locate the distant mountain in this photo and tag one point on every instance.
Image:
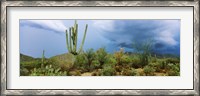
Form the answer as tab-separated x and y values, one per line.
24	58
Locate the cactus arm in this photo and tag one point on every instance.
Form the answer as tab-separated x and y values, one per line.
67	40
70	40
73	40
83	39
76	39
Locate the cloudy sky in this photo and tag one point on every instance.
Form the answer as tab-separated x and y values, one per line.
49	35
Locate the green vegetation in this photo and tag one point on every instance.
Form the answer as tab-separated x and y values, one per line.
140	62
100	63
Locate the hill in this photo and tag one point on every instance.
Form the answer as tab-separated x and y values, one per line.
24	58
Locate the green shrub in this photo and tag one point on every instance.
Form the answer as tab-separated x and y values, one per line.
129	72
145	59
111	61
24	72
108	71
173	69
173	60
101	56
149	71
156	66
90	55
65	62
96	64
144	50
81	62
30	64
118	56
47	71
126	59
173	73
136	63
154	59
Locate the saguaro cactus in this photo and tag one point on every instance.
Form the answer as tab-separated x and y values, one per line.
42	65
71	40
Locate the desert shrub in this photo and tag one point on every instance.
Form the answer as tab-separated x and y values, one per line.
74	73
30	64
47	71
24	72
97	72
174	69
173	73
149	71
118	56
108	70
129	72
145	59
90	56
51	62
125	59
173	60
111	61
156	66
144	49
136	62
95	64
140	72
65	62
80	62
101	56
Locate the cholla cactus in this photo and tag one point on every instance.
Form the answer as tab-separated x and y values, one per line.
71	40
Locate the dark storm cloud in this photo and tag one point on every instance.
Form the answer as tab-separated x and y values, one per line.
165	34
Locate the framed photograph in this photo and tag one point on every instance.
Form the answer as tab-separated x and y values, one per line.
100	48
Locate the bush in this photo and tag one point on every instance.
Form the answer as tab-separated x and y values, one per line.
97	72
47	71
126	59
90	56
108	71
24	72
74	73
144	49
145	59
65	62
149	71
136	62
118	56
101	56
111	61
174	70
173	73
30	64
173	60
96	64
81	62
129	72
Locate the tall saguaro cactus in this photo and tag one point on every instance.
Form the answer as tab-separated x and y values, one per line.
42	65
71	39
